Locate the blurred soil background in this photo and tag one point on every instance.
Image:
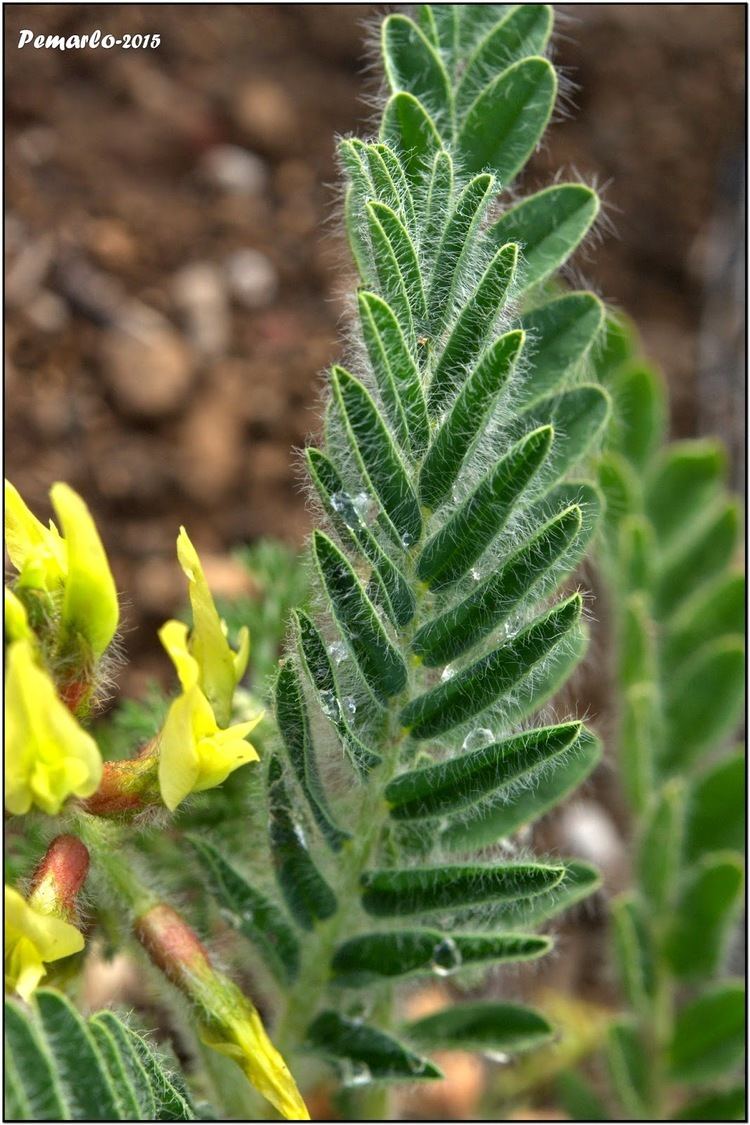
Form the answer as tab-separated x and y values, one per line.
176	276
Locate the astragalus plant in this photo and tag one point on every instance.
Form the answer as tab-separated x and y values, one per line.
677	592
410	739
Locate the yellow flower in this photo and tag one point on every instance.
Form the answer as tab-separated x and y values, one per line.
240	1035
218	669
17	626
48	755
33	937
72	564
194	753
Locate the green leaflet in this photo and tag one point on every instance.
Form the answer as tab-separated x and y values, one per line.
704	703
414	66
548	227
548	677
452	550
456	248
390	587
640	413
372	958
397	266
306	892
377	456
637	554
486	823
467	418
427	889
481	1026
438	202
505	122
359	190
389	180
716	610
640	739
559	334
478	615
472	690
364	1053
396	372
380	663
685	481
578	1099
578	417
461	780
633	951
57	1066
706	550
251	913
629	1068
408	128
723	1105
473	326
294	728
579	881
709	1034
715	815
525	30
637	649
708	905
320	670
658	857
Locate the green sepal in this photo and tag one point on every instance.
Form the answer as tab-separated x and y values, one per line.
560	334
709	1035
294	728
503	125
481	1026
390	893
467	418
702	921
472	690
536	563
306	892
379	661
461	780
377	456
473	326
452	551
365	1054
548	227
373	958
249	912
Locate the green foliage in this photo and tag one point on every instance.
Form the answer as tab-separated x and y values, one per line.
449	521
671	532
62	1068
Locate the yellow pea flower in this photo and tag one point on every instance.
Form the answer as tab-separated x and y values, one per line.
72	564
48	755
194	752
219	668
33	938
17	626
242	1036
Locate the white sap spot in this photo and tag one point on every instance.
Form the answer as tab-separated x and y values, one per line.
299	833
446	958
478	738
355	1073
448	672
339	501
350	704
476	573
338	651
497	1057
